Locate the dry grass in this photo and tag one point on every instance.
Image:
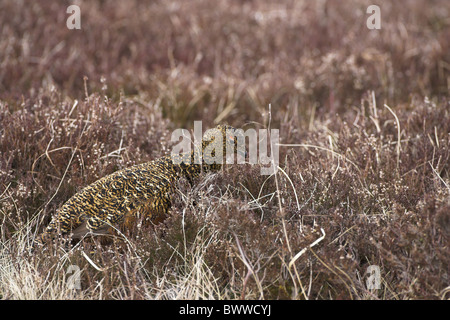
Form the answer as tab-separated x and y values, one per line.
364	151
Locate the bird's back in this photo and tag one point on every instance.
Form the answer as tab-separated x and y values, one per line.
112	198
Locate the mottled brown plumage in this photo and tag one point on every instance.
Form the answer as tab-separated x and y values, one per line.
141	190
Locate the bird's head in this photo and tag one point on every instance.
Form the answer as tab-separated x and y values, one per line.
221	142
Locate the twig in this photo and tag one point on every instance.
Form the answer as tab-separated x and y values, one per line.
298	255
398	135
